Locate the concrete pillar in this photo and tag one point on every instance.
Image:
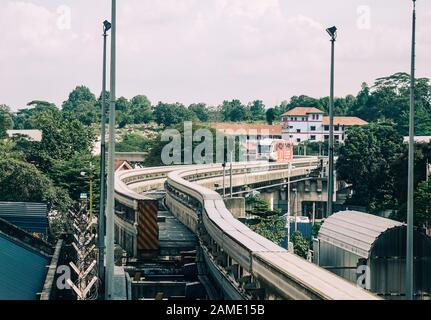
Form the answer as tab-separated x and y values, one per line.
236	206
269	197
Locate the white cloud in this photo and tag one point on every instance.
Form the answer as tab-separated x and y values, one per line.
195	50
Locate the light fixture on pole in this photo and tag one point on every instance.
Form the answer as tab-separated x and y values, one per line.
101	221
410	193
333	34
110	201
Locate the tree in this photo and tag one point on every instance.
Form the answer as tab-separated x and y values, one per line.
423	204
200	111
134	143
257	110
389	98
303	101
365	161
23	182
8	150
272	228
235	111
82	105
62	138
67	175
300	244
141	110
6	122
171	114
26	118
270	116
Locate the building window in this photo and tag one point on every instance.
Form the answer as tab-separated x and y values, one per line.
298	140
313	138
326	128
298	130
326	137
337	137
337	128
313	128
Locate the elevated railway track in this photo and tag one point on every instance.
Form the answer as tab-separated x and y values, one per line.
243	264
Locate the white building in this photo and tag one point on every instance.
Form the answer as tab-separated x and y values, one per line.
309	124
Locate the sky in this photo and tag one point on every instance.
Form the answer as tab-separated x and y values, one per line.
206	50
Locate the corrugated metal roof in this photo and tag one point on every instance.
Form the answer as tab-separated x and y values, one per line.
355	231
28	216
23	208
22	270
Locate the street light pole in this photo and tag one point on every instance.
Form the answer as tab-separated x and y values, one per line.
333	33
410	193
101	220
231	174
110	201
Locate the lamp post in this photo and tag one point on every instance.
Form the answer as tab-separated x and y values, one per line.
110	201
101	220
410	194
224	179
231	173
333	34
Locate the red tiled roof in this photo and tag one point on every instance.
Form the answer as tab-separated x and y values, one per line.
251	128
345	121
302	111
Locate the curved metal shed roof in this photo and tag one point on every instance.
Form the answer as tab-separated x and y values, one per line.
355	231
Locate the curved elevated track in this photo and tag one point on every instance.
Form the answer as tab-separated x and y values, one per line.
244	264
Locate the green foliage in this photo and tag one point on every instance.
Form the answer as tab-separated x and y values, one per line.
257	110
6	122
300	244
67	174
235	111
365	161
389	98
23	182
134	143
63	137
82	105
156	146
270	116
200	111
26	119
423	204
315	230
171	114
259	207
140	110
272	228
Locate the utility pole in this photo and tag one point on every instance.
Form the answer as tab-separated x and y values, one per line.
110	201
410	194
333	33
224	179
288	201
101	220
231	174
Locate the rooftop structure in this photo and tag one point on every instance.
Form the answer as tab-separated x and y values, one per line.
371	251
32	135
31	217
254	131
309	124
23	263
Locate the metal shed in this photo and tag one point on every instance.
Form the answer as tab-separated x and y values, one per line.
370	250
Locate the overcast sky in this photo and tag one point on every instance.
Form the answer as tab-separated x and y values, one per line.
206	50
